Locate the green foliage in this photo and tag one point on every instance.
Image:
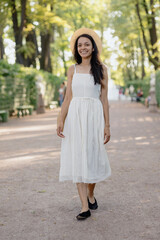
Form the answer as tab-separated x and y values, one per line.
18	86
143	84
132	54
8	79
3	15
118	78
30	83
28	50
61	18
45	15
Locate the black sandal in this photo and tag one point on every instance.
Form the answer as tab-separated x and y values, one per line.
83	215
94	205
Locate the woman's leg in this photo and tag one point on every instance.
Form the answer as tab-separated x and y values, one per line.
91	187
82	190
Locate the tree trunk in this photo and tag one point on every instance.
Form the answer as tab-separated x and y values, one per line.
45	60
153	59
143	74
152	27
128	71
153	32
31	38
134	66
18	30
46	39
1	48
64	62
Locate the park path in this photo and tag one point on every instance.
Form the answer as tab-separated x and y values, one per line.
35	206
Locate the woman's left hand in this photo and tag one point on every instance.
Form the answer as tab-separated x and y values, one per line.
106	135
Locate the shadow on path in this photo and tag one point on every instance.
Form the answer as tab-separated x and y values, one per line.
34	205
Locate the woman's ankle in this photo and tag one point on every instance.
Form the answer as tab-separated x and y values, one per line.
85	207
91	198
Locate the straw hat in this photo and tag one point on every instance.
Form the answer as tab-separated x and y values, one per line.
90	32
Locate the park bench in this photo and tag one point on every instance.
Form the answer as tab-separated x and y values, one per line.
4	115
134	98
24	110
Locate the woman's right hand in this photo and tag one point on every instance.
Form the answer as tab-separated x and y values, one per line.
59	129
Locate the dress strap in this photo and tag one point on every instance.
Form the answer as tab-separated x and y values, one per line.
74	68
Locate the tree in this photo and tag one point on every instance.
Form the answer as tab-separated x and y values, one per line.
151	21
18	27
3	21
131	54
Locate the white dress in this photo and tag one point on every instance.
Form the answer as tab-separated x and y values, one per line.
83	154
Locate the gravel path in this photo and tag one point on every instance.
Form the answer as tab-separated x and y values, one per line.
35	206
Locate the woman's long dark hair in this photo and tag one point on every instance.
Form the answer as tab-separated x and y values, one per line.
96	65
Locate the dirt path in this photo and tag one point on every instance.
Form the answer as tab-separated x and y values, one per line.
35	206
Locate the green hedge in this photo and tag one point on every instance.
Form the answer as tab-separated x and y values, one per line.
18	86
145	85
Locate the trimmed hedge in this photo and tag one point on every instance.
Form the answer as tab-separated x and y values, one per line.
18	86
145	86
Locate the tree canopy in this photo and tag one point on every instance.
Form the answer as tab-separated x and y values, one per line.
41	31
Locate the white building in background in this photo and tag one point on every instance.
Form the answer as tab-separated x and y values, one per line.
113	92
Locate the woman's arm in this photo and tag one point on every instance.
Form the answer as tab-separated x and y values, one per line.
66	102
104	100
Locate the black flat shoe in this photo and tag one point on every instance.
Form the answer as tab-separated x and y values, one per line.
94	205
83	215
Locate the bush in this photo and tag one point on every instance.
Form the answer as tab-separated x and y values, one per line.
18	86
143	84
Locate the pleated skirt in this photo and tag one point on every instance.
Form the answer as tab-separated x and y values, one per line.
83	155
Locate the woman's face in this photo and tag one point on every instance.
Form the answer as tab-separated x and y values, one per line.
84	47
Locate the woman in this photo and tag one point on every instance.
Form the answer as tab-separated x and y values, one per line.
83	123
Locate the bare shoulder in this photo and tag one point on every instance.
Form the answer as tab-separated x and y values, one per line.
70	70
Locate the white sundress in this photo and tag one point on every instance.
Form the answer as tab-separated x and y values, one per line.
83	154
